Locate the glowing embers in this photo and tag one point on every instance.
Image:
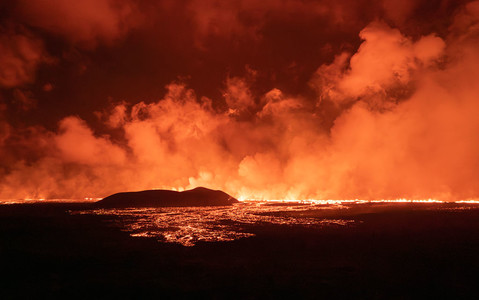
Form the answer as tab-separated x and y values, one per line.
190	225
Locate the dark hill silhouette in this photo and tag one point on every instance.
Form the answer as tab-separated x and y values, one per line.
199	196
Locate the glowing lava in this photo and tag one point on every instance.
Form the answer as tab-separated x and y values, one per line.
189	225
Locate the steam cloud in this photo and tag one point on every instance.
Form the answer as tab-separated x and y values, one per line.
402	112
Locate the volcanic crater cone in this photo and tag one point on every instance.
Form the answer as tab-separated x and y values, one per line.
199	196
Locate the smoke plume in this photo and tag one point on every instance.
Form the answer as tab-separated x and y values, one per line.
393	116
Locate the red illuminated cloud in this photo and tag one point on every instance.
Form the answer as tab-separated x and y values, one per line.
76	143
82	22
385	61
264	99
20	55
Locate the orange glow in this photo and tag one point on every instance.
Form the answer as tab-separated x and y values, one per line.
379	104
357	201
189	225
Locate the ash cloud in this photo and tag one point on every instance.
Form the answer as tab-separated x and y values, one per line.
379	110
85	23
20	55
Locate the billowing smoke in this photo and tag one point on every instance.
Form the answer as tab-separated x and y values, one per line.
392	118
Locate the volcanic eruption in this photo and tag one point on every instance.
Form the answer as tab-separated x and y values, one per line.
239	149
280	100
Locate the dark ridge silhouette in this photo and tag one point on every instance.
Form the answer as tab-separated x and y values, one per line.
199	196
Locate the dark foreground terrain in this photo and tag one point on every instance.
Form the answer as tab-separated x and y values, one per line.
393	253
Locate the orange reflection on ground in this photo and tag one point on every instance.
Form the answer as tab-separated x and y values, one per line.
190	225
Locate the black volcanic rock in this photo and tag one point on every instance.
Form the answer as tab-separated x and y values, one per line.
199	196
